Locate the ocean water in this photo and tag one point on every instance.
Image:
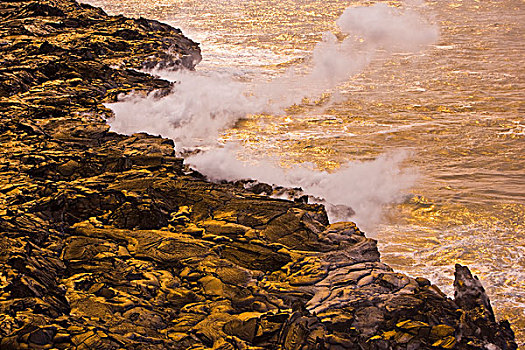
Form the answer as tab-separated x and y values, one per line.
410	112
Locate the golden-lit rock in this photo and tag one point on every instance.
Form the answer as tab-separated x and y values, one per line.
446	343
442	331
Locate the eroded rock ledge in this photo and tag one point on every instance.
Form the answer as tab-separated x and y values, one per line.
109	242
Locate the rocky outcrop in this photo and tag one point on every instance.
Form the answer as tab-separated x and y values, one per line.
110	242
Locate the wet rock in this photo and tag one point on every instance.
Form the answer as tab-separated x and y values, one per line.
414	327
42	336
422	282
469	294
477	320
441	331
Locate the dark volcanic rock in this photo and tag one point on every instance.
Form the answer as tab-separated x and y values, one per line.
478	321
107	242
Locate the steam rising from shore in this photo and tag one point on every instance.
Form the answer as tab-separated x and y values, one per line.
200	107
203	105
363	186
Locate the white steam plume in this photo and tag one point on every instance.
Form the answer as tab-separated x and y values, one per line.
194	114
363	186
388	28
202	106
370	31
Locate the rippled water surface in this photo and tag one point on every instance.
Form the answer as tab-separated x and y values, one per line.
457	107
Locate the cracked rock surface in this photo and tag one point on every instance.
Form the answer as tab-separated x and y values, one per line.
110	242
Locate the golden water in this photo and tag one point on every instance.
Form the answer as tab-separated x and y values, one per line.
458	107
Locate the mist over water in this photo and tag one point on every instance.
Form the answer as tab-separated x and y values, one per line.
363	186
369	32
203	105
198	109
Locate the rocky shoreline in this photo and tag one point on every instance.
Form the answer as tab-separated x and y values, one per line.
109	241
